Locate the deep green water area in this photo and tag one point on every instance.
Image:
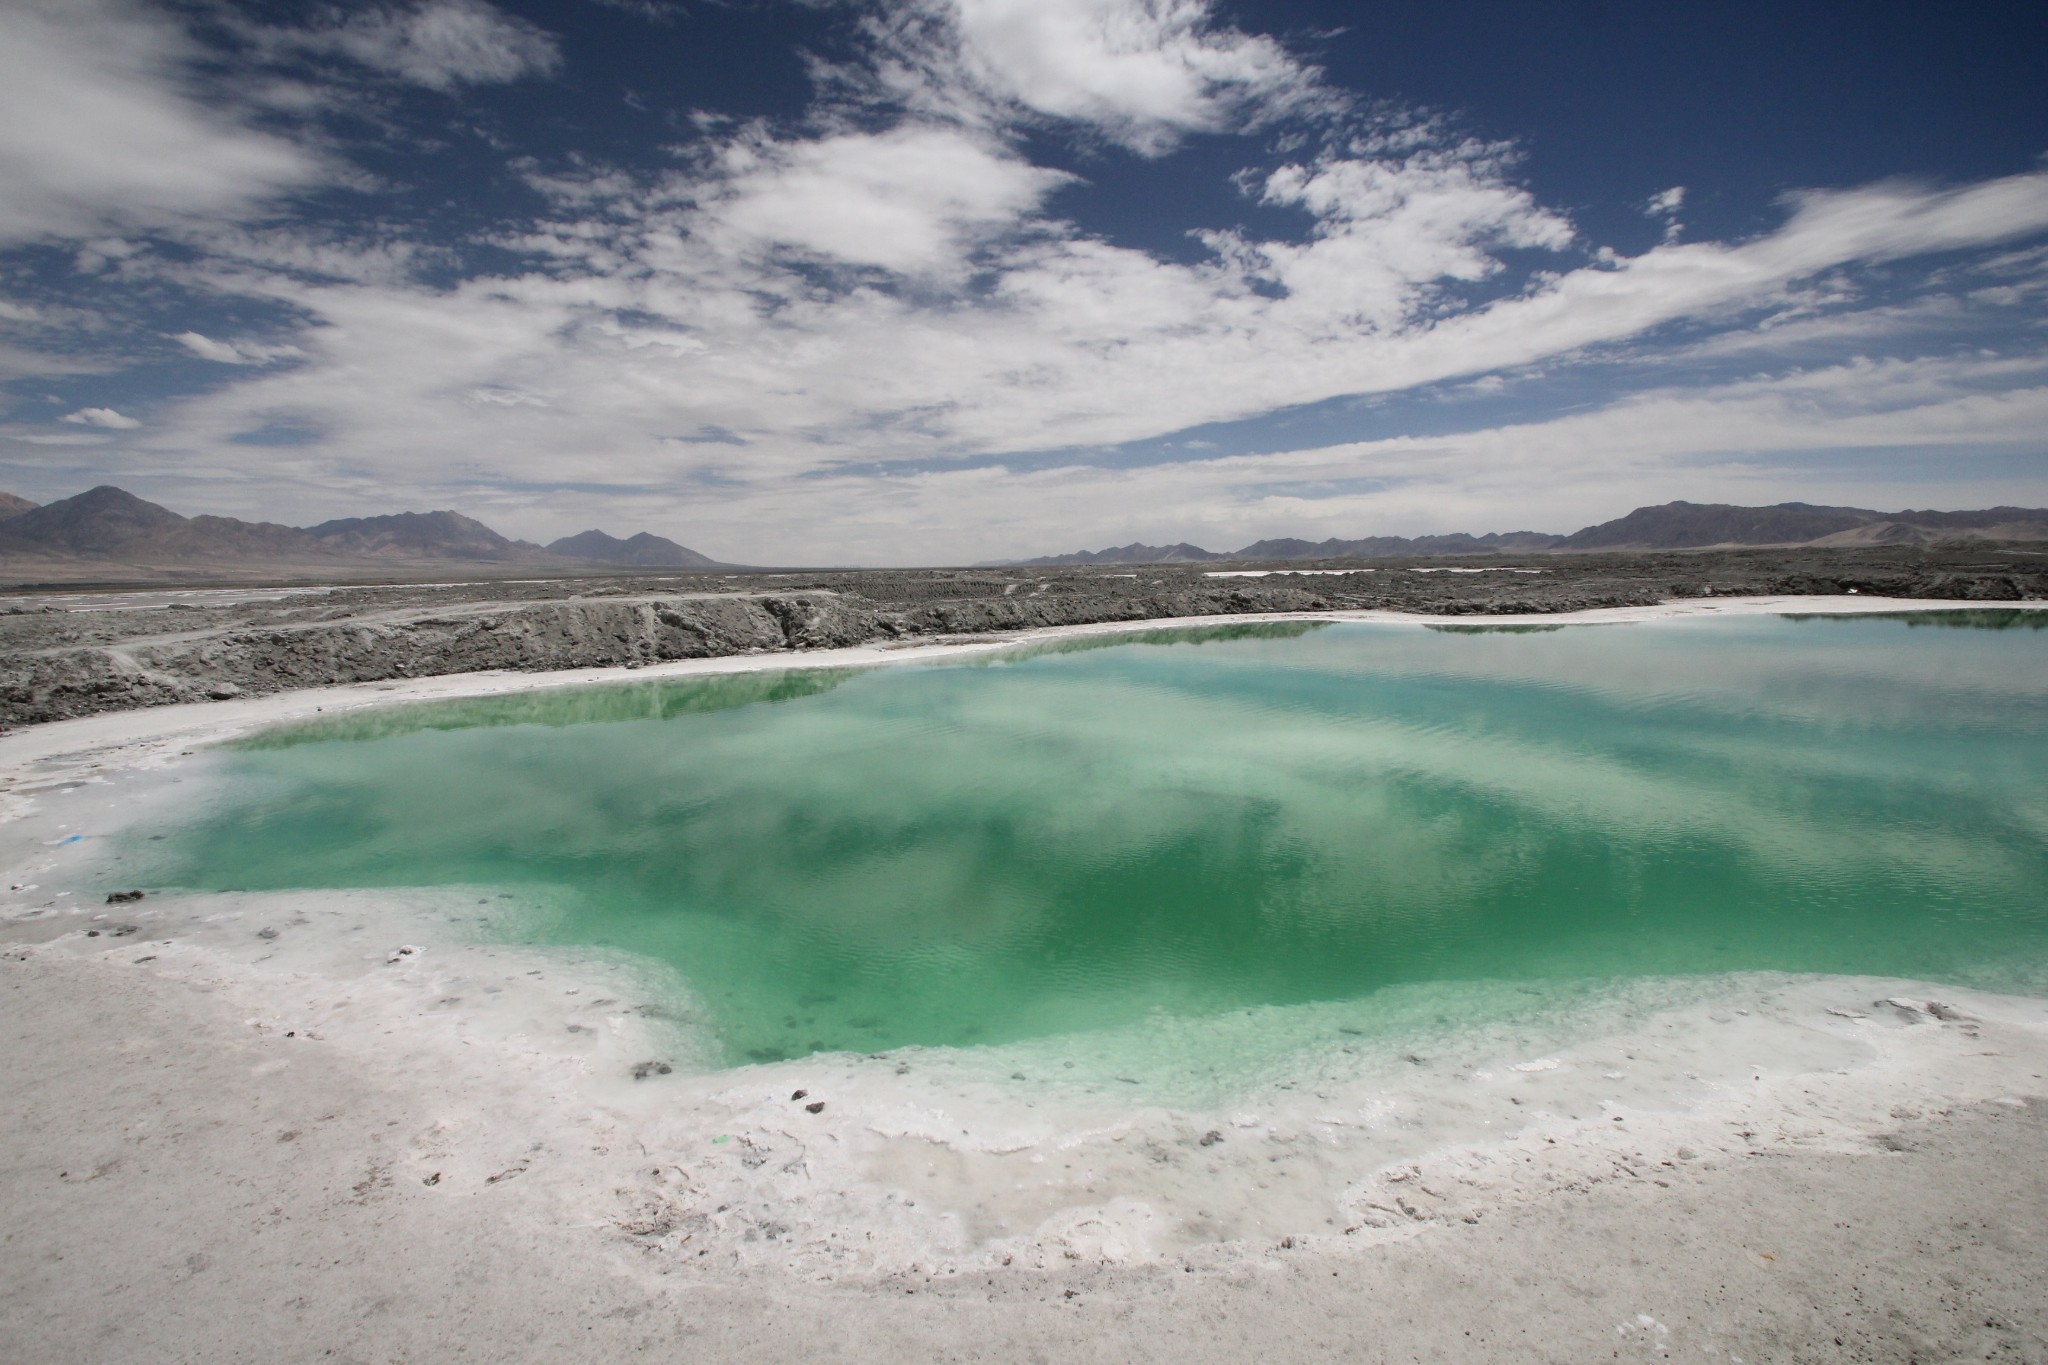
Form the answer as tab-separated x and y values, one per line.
1085	835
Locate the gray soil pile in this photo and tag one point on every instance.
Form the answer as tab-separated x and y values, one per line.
77	654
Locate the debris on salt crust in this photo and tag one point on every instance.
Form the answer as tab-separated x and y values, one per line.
992	1174
1658	1336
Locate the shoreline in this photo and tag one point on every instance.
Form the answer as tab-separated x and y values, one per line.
203	723
711	1186
84	655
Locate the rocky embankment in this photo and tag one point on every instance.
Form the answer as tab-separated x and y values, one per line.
76	654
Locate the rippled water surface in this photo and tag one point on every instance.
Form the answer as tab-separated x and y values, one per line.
1085	835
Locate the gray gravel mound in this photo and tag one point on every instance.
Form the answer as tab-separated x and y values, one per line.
76	654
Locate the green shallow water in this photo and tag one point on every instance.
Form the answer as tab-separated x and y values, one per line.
1083	836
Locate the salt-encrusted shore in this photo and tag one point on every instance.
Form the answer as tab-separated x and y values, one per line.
247	1126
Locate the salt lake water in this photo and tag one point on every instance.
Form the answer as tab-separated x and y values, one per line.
1132	831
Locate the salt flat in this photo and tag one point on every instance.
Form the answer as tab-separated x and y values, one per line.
227	1144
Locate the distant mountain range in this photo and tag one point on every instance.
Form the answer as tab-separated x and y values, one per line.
1672	526
109	525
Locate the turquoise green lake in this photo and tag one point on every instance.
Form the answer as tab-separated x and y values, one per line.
1197	821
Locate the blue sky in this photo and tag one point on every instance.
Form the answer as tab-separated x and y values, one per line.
952	280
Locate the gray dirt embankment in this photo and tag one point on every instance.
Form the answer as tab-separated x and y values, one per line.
64	656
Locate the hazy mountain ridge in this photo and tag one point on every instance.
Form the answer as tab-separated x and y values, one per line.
1669	526
106	522
422	535
1685	526
1384	547
112	525
643	551
1134	553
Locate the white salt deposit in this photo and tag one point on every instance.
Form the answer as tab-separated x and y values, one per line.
1206	1140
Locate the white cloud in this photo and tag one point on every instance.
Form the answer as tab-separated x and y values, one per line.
1141	72
101	417
1665	204
233	353
97	255
98	128
913	200
208	349
1387	230
440	44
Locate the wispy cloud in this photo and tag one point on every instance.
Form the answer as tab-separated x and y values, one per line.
102	417
915	200
1664	205
1895	431
52	438
233	352
1141	73
657	319
440	44
101	126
